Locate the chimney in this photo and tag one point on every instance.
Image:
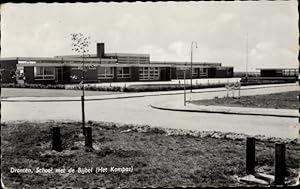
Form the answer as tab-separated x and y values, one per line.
100	50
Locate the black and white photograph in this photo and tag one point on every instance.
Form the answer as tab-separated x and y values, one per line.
150	94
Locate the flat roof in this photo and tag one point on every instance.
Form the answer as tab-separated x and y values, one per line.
277	68
57	59
188	63
127	54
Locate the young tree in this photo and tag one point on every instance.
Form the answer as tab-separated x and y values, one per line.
80	44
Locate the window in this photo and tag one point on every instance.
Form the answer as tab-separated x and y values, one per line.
105	72
149	73
44	73
123	72
289	72
202	71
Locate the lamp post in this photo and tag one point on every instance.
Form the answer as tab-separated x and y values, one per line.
193	42
247	57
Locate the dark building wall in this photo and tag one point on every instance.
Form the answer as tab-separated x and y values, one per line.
180	74
224	72
230	72
168	74
221	73
29	74
100	50
271	73
211	72
135	73
165	74
198	72
90	75
9	67
162	74
75	75
66	74
115	74
59	75
173	73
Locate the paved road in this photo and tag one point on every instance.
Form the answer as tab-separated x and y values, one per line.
138	111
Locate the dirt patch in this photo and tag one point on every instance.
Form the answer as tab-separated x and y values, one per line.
158	157
286	100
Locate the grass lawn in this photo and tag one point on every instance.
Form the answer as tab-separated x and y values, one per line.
286	100
158	159
25	92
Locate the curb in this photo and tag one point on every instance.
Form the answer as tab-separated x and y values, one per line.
222	112
69	100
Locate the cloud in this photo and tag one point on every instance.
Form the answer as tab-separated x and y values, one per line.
180	49
164	30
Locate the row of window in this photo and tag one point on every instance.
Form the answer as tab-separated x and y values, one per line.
145	73
289	72
108	72
149	73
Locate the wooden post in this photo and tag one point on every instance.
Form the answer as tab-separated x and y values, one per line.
82	111
88	137
56	141
250	155
280	166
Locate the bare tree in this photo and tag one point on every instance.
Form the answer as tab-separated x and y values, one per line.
80	44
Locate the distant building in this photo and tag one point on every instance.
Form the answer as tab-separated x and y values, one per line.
274	75
278	72
104	67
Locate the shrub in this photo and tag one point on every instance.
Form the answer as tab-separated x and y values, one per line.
33	86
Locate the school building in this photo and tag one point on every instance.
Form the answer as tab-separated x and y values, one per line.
104	67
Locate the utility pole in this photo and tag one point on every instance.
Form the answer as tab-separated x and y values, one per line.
184	92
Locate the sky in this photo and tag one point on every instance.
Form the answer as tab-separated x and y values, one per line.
165	30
